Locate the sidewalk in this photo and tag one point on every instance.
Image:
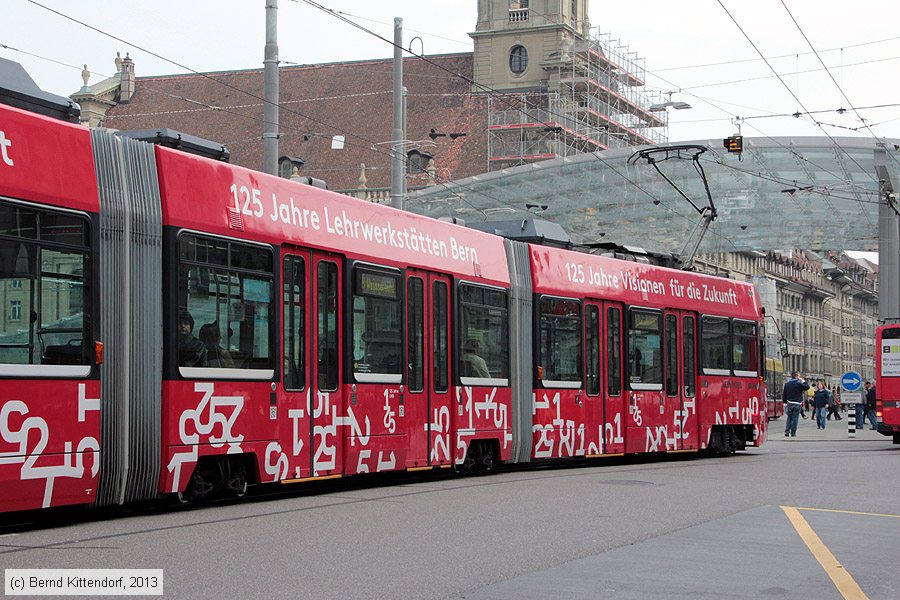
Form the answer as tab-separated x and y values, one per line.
834	430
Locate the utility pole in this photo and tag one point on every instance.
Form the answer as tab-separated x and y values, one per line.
398	133
888	243
271	94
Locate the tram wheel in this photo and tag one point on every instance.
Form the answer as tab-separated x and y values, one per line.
236	480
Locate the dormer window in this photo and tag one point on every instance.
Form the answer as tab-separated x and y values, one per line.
417	162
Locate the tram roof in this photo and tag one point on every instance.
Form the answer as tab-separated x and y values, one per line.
818	193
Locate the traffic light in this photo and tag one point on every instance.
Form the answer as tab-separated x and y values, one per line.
734	143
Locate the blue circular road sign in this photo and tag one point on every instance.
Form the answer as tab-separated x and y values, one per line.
851	381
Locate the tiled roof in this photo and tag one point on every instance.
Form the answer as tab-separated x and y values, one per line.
353	99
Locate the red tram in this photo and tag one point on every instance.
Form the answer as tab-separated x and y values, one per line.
887	380
173	324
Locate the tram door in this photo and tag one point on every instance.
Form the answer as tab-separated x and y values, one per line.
428	368
311	339
690	423
679	386
612	372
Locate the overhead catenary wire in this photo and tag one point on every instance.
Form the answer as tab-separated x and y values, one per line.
612	168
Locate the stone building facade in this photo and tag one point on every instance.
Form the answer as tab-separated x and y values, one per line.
824	305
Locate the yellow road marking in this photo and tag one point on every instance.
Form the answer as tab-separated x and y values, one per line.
849	512
835	570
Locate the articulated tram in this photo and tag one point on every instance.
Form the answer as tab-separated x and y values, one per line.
176	325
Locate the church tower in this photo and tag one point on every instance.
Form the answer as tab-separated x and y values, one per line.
516	40
555	88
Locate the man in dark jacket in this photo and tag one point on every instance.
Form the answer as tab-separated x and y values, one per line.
792	396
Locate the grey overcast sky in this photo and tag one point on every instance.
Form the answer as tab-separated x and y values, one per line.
858	41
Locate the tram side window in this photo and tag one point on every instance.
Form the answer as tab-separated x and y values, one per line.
294	323
715	346
415	303
592	341
327	326
560	342
45	266
377	327
671	355
613	351
745	349
645	350
225	294
690	358
483	340
441	337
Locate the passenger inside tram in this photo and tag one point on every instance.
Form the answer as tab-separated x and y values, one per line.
473	364
191	351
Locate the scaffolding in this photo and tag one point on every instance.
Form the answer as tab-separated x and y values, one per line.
595	100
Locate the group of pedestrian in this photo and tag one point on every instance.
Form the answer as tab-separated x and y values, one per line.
823	404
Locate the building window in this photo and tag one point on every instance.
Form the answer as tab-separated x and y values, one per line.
417	162
575	10
15	310
518	59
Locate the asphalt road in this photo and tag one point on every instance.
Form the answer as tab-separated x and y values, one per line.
684	528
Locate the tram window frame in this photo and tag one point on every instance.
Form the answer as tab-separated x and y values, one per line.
641	382
415	334
294	325
670	376
592	349
483	316
441	336
245	270
613	351
689	355
749	348
715	347
555	334
37	253
383	330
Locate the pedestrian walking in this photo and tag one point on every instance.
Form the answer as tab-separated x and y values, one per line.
820	399
793	397
870	404
833	406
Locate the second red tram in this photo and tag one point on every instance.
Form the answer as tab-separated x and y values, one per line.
887	380
176	325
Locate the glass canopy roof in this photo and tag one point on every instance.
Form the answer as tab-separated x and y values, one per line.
814	193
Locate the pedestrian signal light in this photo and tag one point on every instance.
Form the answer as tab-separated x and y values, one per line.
734	143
